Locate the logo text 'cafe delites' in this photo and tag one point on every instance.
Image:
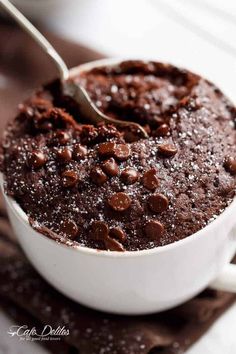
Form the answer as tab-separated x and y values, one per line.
33	334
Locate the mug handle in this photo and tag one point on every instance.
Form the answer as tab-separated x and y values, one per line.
226	280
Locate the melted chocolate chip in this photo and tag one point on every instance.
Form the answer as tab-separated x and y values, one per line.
79	152
150	180
119	201
36	159
62	137
113	245
167	150
69	178
69	228
122	152
99	230
64	155
110	167
230	165
154	229
106	149
98	176
158	203
162	130
117	233
129	175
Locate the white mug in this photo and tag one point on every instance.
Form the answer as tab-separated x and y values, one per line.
133	282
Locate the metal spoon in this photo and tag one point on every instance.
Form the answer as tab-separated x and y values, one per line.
70	88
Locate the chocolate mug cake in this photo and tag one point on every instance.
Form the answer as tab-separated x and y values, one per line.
105	187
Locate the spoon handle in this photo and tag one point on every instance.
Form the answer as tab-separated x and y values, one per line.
37	36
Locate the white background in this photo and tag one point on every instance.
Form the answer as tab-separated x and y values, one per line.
197	34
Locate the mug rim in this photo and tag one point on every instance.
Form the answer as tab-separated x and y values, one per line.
106	253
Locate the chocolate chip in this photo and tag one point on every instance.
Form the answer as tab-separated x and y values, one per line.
158	203
230	165
99	230
150	180
109	149
129	175
64	155
154	230
119	201
98	176
36	159
162	130
69	228
117	233
113	245
106	149
167	150
69	178
122	152
62	137
110	167
80	152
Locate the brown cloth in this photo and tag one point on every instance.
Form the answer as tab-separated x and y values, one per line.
28	298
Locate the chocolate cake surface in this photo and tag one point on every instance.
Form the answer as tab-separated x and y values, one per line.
107	188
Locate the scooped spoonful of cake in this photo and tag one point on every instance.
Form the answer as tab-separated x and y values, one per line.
86	106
